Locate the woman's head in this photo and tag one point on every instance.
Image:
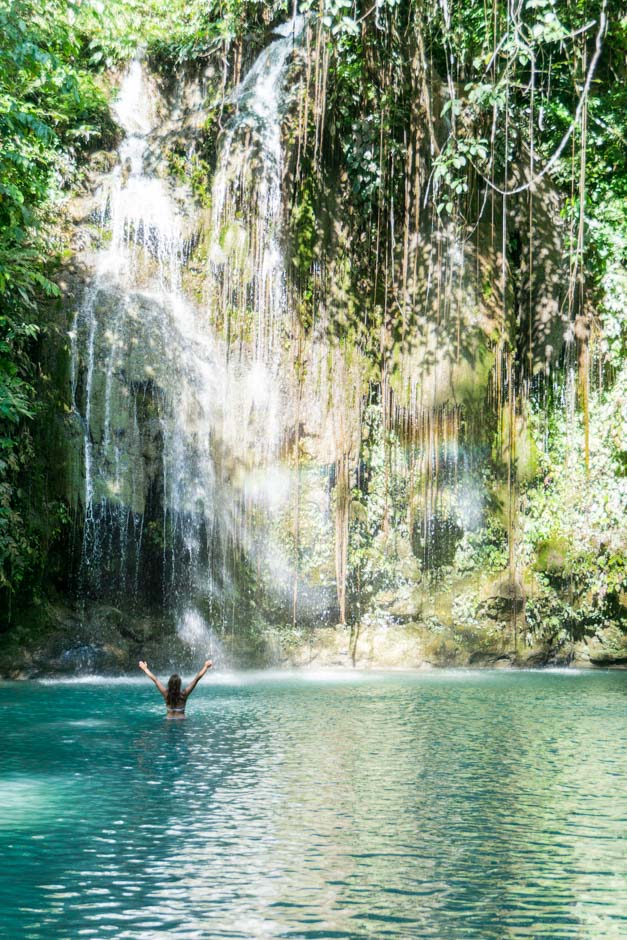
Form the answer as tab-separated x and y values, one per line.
174	689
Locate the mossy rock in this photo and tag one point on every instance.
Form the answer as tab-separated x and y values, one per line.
441	651
608	647
552	556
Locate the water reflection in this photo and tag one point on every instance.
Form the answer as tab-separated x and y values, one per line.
449	806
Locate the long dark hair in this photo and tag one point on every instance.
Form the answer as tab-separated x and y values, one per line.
174	697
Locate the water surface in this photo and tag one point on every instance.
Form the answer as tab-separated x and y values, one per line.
453	805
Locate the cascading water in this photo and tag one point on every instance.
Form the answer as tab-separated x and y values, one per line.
172	423
245	253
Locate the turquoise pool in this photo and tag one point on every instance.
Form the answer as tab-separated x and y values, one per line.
449	805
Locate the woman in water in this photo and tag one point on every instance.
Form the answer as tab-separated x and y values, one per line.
175	698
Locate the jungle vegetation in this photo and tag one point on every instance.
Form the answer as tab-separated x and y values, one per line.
415	122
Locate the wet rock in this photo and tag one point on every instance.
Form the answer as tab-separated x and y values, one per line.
494	658
562	655
505	598
404	605
443	651
609	658
80	659
59	640
102	161
81	209
607	648
534	658
382	645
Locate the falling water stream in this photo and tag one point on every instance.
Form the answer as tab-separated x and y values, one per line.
179	435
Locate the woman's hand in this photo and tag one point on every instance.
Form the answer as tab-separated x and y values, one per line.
208	663
143	666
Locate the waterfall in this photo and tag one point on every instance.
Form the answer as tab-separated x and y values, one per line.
174	427
248	182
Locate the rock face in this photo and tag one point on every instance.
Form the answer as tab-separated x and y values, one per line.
419	646
607	647
97	638
363	647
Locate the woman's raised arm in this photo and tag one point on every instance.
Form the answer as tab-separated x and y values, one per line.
144	668
190	688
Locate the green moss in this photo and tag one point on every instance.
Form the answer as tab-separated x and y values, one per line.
552	556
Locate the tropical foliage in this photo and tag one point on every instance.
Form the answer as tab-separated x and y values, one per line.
51	113
413	124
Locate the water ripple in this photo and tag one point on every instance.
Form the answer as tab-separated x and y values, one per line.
484	806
